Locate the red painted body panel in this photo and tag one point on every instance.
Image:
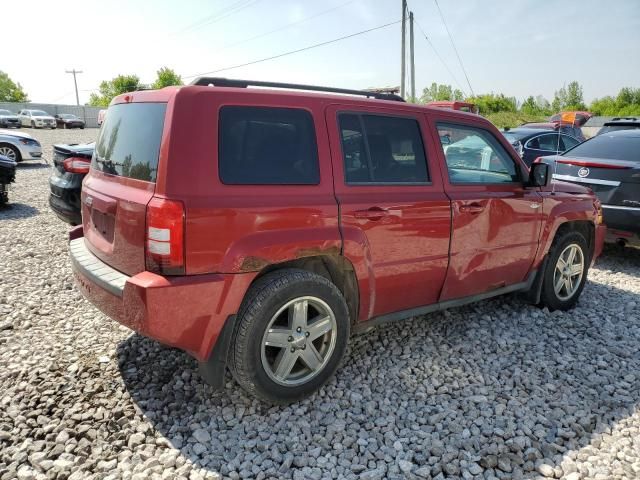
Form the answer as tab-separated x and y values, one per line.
406	251
232	232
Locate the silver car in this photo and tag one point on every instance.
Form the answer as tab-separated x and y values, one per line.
19	146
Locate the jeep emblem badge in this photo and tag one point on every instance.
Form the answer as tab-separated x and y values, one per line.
583	172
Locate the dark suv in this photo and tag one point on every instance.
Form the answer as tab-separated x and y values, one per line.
257	228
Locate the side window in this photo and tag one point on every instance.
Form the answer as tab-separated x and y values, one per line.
569	142
267	146
382	149
476	156
549	142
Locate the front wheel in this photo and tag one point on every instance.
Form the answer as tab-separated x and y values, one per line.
566	272
291	333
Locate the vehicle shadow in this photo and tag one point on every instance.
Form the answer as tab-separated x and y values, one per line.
500	384
33	166
17	210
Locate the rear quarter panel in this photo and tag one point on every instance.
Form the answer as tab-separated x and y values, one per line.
243	228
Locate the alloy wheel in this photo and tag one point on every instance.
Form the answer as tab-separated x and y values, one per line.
8	152
568	272
298	341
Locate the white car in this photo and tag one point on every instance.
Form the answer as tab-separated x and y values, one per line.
36	119
19	146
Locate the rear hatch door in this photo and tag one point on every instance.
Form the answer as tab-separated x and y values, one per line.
121	183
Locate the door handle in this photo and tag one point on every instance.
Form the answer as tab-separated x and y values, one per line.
471	208
373	213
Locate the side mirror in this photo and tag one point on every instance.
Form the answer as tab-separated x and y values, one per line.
539	175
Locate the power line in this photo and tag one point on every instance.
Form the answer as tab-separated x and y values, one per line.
294	51
439	57
454	48
288	25
217	16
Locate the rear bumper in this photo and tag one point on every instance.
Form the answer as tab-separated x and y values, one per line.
626	219
186	312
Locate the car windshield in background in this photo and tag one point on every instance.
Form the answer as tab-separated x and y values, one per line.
613	128
129	142
515	136
5	112
39	113
615	147
68	116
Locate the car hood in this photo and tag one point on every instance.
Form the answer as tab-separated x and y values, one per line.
44	117
13	133
72	120
15	117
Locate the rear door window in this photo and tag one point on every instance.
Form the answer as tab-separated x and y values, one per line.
267	146
129	141
382	149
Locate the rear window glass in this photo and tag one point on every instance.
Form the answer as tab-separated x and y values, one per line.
267	146
608	146
129	141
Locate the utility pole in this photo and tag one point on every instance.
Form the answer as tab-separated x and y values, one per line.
403	54
411	58
75	83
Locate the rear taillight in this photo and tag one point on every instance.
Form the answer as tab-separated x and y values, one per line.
591	164
76	165
164	249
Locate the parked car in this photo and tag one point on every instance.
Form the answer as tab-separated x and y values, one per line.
561	127
18	146
9	119
620	123
577	118
70	165
256	228
36	119
532	143
610	165
7	176
67	120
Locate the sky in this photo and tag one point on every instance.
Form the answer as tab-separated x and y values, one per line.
515	47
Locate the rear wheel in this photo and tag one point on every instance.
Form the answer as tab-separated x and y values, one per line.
566	272
11	152
291	333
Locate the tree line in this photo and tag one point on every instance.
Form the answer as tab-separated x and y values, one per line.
502	110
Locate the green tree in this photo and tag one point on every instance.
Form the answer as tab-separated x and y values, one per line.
492	103
166	77
569	98
627	102
530	106
114	87
11	91
440	92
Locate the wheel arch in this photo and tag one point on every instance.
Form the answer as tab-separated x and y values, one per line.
335	268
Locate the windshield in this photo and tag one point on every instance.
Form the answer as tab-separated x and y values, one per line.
39	113
67	115
129	142
608	146
5	112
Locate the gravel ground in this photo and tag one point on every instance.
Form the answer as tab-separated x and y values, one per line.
495	390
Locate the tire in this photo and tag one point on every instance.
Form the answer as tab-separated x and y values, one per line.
567	296
10	151
269	304
33	124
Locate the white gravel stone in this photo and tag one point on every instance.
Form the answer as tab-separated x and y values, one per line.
491	390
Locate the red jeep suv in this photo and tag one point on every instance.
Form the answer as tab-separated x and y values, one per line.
256	228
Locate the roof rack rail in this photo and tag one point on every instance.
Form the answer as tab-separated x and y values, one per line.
231	82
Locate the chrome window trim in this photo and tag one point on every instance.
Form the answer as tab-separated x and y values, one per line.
595	181
620	207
